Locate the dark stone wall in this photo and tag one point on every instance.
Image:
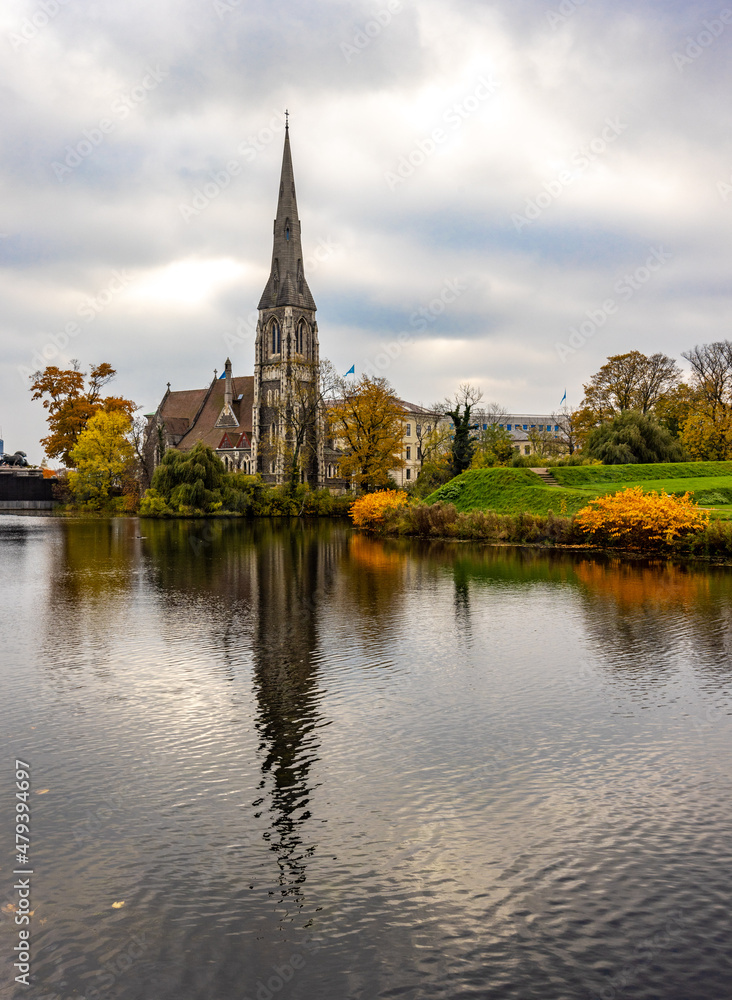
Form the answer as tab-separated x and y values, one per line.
25	486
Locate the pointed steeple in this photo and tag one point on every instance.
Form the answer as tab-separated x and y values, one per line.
286	285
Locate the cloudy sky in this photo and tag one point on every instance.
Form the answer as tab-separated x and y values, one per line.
503	193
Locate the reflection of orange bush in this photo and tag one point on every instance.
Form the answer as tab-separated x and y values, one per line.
368	511
637	585
640	519
370	553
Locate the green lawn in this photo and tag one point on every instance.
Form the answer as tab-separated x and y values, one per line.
704	489
578	476
512	491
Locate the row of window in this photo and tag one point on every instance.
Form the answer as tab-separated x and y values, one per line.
508	427
526	427
275	337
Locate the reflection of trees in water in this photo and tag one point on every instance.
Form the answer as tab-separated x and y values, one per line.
642	616
374	579
91	574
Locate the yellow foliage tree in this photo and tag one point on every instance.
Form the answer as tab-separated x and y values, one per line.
103	456
640	519
369	510
71	402
367	420
707	437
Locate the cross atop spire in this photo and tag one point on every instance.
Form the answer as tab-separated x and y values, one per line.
287	120
286	285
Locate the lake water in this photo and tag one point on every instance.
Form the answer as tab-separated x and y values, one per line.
318	766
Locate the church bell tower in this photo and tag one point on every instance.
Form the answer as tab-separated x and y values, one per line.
287	419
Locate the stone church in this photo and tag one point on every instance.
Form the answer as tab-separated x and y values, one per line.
267	421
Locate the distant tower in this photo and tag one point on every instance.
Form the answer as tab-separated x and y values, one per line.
286	361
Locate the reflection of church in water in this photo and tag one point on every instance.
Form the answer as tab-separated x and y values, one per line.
265	591
252	421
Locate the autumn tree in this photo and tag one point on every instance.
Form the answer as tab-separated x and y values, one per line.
433	452
433	437
631	381
676	406
704	412
103	457
460	409
367	419
72	398
707	438
711	374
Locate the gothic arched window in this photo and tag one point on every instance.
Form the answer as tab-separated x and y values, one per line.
287	229
276	337
300	337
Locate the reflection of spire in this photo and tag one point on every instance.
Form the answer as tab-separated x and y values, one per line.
285	643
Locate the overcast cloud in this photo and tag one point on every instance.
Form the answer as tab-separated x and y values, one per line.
548	183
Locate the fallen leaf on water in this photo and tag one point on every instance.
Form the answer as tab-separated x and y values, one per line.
42	791
116	906
9	908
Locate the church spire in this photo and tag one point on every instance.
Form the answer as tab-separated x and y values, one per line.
286	285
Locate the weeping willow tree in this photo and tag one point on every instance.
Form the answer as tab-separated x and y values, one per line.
195	479
633	437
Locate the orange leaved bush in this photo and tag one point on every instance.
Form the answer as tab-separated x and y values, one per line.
368	511
640	519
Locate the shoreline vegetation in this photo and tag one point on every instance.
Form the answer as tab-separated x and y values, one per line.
632	509
549	531
681	508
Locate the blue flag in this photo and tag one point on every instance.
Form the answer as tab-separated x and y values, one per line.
351	371
563	397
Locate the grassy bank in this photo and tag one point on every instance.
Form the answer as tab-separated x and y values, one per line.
507	491
516	491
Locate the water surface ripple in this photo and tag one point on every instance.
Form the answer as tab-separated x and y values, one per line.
317	765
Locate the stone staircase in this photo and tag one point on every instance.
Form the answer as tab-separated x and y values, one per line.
546	477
